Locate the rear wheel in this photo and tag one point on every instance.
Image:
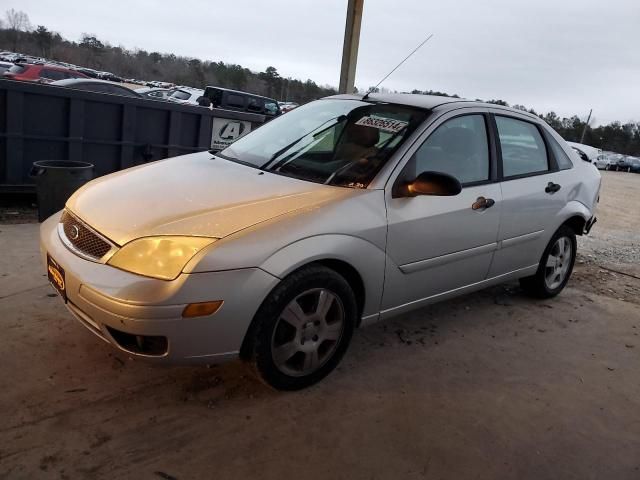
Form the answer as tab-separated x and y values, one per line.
303	328
555	265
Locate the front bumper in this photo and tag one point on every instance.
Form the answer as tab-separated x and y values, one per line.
110	302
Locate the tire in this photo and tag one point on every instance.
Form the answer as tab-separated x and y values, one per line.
606	167
549	280
312	310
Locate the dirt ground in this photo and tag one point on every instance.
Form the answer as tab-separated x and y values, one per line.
493	385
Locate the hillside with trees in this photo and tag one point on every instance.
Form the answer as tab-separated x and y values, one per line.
18	35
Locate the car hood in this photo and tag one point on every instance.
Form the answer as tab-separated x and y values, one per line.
195	194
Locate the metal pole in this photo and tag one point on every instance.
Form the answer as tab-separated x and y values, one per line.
584	130
350	46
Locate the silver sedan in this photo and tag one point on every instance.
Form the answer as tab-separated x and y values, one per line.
345	211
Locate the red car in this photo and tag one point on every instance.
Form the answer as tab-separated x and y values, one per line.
40	73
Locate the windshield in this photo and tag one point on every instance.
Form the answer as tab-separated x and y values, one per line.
336	142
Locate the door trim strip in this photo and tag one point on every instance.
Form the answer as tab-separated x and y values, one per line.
510	242
449	257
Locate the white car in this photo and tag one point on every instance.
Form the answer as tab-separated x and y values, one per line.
155	92
586	152
186	95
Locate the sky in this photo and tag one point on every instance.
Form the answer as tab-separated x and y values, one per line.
562	55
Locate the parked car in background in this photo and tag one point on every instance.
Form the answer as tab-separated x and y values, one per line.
98	86
186	95
586	152
634	164
621	164
155	92
5	66
12	57
345	211
602	161
287	106
31	59
228	99
40	73
89	72
109	76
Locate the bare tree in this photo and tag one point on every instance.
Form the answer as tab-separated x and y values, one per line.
17	22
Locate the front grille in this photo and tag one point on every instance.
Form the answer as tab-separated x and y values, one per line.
82	238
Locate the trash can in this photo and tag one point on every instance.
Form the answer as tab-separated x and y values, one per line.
55	181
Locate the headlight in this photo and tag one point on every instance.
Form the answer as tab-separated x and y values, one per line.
158	257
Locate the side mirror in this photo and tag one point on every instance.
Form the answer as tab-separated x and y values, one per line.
430	183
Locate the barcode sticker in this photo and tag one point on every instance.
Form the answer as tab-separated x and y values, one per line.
382	123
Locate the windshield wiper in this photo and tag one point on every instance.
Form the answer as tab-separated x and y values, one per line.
337	119
233	159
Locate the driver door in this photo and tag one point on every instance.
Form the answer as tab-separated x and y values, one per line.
439	244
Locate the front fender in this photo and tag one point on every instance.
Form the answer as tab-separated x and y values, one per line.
366	258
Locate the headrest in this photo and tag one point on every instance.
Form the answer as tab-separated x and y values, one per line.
361	135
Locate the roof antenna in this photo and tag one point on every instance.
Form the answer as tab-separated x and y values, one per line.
366	95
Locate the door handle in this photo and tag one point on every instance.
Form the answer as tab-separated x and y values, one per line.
482	203
552	187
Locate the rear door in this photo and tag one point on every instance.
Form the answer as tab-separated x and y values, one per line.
439	244
535	182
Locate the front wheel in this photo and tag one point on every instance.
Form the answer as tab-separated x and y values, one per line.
303	328
555	265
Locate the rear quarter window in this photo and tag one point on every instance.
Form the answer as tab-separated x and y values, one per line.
563	160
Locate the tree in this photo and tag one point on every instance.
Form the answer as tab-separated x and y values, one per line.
17	22
44	39
94	49
272	78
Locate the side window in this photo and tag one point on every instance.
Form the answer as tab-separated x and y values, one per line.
523	149
52	74
458	147
563	160
235	101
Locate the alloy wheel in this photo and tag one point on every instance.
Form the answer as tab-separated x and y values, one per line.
307	332
558	263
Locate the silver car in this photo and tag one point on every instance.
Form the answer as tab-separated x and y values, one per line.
345	211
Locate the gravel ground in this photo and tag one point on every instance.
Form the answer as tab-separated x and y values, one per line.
616	236
489	385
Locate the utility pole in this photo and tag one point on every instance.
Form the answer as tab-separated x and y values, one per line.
350	46
584	130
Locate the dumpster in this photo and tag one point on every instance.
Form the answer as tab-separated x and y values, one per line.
56	180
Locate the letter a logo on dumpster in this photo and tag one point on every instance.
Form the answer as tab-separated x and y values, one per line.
231	131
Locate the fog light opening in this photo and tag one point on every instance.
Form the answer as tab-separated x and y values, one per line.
202	309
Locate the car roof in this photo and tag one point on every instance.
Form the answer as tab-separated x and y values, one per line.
75	81
44	65
240	92
428	102
152	89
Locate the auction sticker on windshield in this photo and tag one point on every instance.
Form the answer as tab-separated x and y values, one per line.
382	123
